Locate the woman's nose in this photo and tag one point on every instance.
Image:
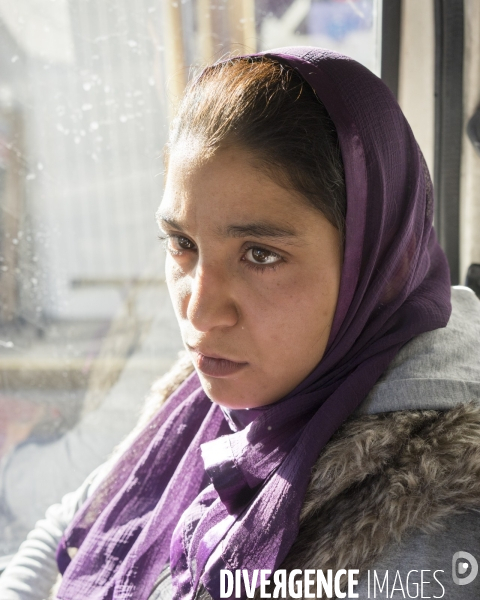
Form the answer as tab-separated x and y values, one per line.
210	302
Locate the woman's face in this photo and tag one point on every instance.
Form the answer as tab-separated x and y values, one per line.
253	273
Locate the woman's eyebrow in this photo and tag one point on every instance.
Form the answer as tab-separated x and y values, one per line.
168	220
260	229
255	229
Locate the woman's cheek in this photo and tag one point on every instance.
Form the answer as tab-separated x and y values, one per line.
269	309
293	311
178	284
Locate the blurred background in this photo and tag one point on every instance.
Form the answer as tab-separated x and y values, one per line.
87	89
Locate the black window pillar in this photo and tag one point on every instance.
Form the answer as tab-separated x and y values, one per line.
391	27
449	36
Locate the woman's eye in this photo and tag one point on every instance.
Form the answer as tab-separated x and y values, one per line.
260	256
183	243
176	244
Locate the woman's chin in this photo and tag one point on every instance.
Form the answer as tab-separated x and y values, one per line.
230	393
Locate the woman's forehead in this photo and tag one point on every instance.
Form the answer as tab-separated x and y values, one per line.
234	196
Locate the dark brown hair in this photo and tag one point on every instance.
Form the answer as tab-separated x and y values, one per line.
267	109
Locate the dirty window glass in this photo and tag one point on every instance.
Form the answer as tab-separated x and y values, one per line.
86	94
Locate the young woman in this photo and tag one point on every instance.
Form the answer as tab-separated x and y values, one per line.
324	416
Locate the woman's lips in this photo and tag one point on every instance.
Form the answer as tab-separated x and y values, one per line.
216	367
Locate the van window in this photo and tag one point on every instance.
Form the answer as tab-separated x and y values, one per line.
86	94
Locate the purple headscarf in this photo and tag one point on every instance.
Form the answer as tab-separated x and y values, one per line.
194	494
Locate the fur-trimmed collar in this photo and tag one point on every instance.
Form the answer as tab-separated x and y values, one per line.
380	478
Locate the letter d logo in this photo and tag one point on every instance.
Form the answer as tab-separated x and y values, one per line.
459	568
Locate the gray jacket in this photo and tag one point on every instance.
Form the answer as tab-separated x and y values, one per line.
395	494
